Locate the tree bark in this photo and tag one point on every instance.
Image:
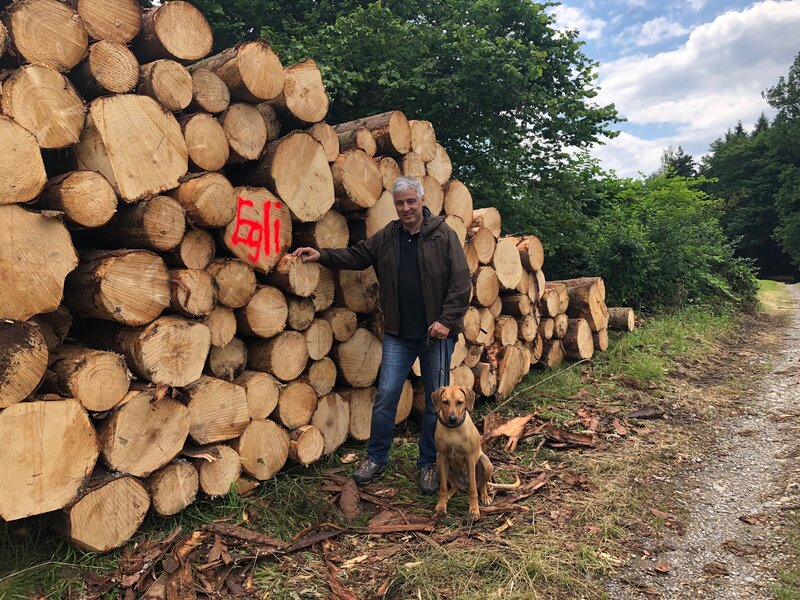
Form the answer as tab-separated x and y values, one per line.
358	290
600	340
23	360
621	318
54	325
391	131
357	139
552	354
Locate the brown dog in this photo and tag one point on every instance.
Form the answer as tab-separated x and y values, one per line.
459	457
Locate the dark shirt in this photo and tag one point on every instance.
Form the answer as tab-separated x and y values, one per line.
409	289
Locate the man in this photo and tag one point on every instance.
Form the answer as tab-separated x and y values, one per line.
425	291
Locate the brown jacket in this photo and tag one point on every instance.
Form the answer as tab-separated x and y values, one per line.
446	283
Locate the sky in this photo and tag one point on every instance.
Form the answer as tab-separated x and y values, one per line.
682	72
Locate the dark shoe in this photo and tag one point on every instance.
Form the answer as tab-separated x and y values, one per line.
367	471
428	480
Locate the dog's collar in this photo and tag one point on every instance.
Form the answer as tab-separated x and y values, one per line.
448	425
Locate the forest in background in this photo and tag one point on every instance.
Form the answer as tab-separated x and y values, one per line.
512	100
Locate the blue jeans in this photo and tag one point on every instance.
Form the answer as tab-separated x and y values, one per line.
398	357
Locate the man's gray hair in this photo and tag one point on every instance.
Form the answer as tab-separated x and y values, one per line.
408	183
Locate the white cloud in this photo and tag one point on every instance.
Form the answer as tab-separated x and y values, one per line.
659	29
629	155
573	17
706	85
696	5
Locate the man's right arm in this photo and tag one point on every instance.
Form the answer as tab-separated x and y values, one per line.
355	258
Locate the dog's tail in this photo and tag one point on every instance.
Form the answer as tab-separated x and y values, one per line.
505	486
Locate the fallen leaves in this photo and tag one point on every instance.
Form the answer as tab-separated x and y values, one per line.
662	567
754	519
512	428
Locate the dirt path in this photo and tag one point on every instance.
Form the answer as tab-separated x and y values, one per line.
749	469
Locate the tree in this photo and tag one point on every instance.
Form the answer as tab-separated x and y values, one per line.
675	162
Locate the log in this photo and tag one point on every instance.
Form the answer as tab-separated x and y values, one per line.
23	360
296	404
47	32
358	290
487	286
45	103
306	445
536	348
560	290
301	313
236	281
511	368
138	161
497	307
440	168
524	285
332	418
434	195
85	197
531	253
489	218
357	181
319	338
175	30
361	401
472	257
462	376
227	362
343	322
357	139
560	326
423	139
143	435
456	224
245	130
518	305
218	410
265	314
552	353
173	487
550	304
484	242
486	332
528	327
578	343
547	328
99	380
3	39
262	230
262	391
458	201
389	170
541	283
51	449
294	276
330	232
219	471
328	138
303	99
209	93
126	286
263	448
118	21
587	300
19	147
156	223
485	379
621	318
195	250
222	323
391	131
474	353
459	351
405	403
321	374
472	323
325	290
380	214
252	71
358	359
170	351
284	355
411	165
271	120
167	82
506	263
54	326
106	514
305	186
600	340
206	142
506	330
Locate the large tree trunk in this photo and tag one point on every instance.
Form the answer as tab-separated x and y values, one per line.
23	360
552	354
19	147
127	286
262	391
173	487
218	410
138	161
587	297
487	286
85	198
357	181
296	404
358	359
306	445
115	20
621	318
206	142
235	279
175	30
263	448
284	355
156	223
458	201
50	450
44	102
265	315
167	82
332	418
252	71
209	93
423	140
303	100
246	131
506	263
357	139
143	434
391	131
97	379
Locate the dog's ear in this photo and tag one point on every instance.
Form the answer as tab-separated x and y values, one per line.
469	397
437	398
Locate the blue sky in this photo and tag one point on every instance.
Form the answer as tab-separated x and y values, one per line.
681	72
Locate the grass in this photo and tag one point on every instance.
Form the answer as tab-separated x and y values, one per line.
536	556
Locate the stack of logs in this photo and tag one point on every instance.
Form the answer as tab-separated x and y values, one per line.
148	199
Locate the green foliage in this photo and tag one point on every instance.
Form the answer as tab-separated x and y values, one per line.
674	161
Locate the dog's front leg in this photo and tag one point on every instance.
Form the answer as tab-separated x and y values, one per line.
474	507
443	467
